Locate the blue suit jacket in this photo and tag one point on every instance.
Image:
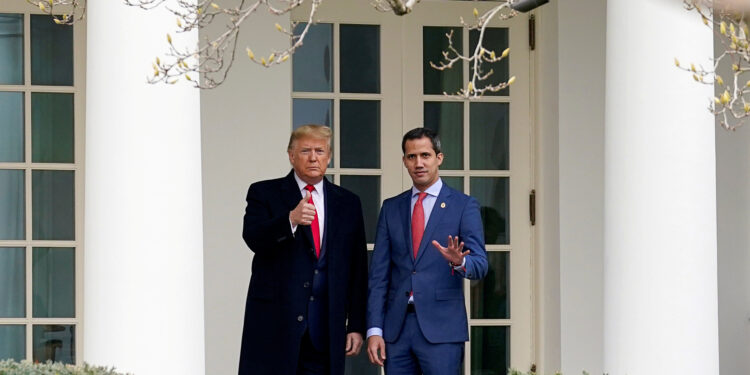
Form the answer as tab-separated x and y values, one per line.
438	292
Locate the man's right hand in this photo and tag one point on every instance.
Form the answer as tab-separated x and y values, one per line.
375	346
304	213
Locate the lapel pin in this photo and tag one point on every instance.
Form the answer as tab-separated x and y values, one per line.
442	205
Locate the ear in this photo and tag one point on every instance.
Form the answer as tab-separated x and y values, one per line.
439	158
291	157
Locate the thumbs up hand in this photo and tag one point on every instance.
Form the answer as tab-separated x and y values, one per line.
304	213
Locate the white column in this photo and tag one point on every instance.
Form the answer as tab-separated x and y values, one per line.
660	295
143	273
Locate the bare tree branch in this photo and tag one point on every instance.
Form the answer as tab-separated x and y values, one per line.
476	87
213	58
730	27
72	10
207	64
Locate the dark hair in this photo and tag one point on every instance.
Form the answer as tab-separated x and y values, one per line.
418	133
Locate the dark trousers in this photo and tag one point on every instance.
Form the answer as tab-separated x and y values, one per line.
312	361
412	354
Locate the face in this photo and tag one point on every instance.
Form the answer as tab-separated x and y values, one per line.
309	158
421	162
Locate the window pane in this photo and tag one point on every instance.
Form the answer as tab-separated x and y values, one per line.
53	202
11	43
51	128
493	196
490	350
12	342
447	118
51	52
489	135
489	296
454	182
12	205
360	58
360	365
311	63
434	42
54	342
495	39
312	111
53	287
360	134
11	123
12	283
368	190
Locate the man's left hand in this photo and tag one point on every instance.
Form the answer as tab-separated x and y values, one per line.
353	343
454	252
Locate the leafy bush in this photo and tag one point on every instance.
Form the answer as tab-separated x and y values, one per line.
11	367
513	371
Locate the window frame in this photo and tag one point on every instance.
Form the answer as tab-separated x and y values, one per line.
28	243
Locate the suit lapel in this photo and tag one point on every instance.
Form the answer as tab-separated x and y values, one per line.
436	216
405	210
292	196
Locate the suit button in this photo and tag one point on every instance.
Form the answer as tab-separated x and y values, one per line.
413	272
306	284
315	272
300	318
312	298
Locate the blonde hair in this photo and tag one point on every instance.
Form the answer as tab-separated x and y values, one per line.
310	131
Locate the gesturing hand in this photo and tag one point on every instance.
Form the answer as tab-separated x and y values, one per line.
304	213
453	253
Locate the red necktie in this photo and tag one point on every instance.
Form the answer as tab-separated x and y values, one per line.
315	226
417	224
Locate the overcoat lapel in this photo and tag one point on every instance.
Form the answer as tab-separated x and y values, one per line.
436	216
292	196
332	203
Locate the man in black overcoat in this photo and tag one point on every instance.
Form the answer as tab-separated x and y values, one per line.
305	306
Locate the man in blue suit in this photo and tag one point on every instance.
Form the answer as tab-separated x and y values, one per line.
305	305
428	240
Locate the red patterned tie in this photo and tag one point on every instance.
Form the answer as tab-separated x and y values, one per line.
315	226
417	224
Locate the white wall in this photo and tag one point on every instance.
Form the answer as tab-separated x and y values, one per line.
581	50
235	154
547	256
733	212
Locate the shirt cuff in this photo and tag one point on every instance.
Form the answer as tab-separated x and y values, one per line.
294	227
374	331
461	266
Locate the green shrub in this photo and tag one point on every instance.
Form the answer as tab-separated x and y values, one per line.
11	367
513	371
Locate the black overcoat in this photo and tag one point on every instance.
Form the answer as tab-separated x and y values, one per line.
282	276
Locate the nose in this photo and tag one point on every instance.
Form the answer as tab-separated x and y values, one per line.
313	156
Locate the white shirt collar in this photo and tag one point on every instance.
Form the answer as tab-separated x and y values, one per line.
433	190
302	184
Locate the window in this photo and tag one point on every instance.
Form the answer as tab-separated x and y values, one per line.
41	133
336	82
